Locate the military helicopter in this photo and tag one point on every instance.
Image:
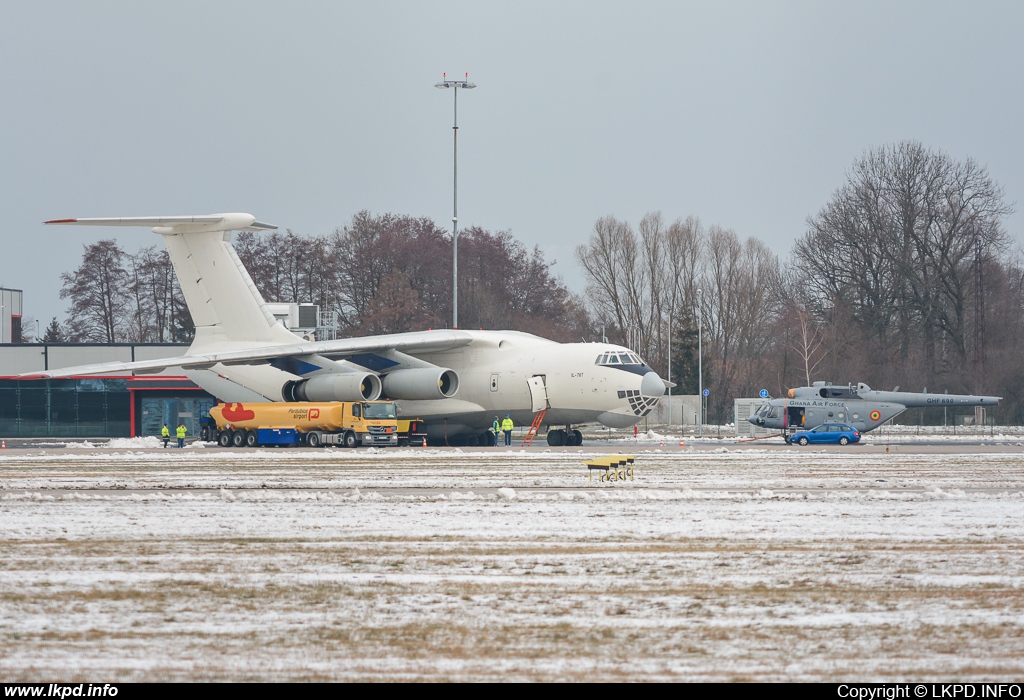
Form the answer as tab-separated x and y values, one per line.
861	406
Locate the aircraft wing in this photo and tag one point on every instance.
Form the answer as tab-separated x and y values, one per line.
411	343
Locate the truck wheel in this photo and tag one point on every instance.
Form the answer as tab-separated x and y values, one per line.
238	438
313	440
350	439
252	439
224	438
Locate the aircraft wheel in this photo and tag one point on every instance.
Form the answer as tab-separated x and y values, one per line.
238	438
844	441
313	440
556	438
577	438
803	441
786	439
224	438
252	439
350	439
485	439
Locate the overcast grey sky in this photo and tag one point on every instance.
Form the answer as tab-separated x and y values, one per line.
746	114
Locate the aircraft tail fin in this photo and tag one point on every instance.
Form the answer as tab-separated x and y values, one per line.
221	296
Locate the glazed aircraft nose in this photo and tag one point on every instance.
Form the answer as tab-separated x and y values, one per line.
652	385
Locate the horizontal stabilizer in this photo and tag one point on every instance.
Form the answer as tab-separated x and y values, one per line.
182	224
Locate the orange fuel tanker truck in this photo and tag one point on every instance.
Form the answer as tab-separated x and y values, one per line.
346	423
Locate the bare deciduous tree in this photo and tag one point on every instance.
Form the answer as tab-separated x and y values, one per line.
897	246
641	283
97	290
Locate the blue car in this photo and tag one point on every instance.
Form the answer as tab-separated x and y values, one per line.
829	434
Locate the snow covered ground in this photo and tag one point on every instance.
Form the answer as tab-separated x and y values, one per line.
131	563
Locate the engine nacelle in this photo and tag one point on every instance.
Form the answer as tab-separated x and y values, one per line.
341	386
424	383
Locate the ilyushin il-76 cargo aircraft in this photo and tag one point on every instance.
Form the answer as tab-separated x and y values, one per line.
456	381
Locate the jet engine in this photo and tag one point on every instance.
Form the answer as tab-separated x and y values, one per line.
421	383
337	386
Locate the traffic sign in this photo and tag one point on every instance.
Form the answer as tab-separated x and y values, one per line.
707	392
763	394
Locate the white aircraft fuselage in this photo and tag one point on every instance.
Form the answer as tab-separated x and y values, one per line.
494	370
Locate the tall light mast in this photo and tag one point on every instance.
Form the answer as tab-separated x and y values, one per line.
455	85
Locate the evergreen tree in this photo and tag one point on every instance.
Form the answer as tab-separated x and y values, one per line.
54	333
685	368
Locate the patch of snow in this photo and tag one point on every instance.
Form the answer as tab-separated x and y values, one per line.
149	441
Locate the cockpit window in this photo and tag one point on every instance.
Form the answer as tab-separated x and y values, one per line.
619	358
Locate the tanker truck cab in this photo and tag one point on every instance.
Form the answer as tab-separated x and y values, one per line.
342	423
373	422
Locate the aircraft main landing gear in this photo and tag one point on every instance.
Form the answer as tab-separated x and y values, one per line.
567	437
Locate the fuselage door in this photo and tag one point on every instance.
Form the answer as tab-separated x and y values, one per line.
538	392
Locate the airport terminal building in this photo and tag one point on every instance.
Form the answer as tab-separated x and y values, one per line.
94	406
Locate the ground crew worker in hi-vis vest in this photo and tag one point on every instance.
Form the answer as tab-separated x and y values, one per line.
165	434
506	427
181	434
496	428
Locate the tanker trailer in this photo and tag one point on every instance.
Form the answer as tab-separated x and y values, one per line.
343	423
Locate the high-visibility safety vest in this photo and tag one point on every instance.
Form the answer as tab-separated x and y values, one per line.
181	431
495	427
506	425
164	432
